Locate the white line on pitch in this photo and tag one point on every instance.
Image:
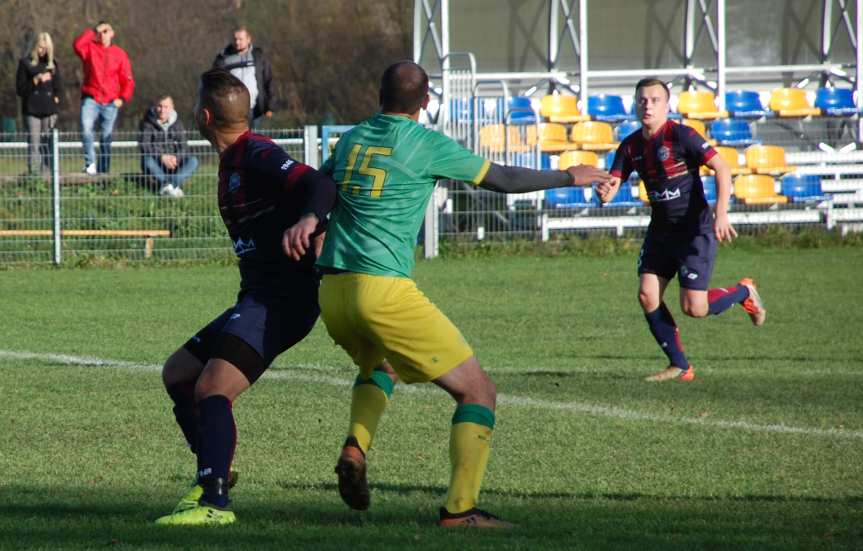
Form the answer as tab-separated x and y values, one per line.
589	409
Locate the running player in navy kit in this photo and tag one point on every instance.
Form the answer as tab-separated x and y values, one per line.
683	233
273	207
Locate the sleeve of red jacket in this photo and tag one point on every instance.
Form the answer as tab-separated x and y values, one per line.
127	81
83	42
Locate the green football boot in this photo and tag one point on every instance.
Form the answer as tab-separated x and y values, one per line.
202	514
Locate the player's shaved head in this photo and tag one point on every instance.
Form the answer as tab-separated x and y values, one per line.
404	88
225	97
645	82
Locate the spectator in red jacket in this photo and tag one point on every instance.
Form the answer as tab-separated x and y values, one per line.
108	84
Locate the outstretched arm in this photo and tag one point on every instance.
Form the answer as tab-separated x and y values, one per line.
513	179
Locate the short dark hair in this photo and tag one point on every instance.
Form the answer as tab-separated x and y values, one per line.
404	87
652	81
225	96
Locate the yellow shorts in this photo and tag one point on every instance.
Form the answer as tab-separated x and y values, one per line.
379	317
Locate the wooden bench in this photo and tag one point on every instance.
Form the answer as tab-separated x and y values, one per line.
148	235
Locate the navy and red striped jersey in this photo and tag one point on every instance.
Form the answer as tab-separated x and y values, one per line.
669	162
263	192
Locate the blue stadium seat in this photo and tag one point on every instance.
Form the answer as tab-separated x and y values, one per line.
606	107
800	188
744	104
566	197
626	128
609	160
835	102
709	188
521	111
732	132
461	110
627	195
545	161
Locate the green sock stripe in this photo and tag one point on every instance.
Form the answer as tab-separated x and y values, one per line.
378	379
474	413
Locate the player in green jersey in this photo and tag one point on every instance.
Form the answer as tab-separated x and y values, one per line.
386	168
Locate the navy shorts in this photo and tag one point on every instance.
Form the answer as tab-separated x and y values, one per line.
690	256
269	325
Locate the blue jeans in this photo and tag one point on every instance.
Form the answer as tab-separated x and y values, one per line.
187	166
91	110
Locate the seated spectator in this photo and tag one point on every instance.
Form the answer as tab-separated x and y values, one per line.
38	85
164	152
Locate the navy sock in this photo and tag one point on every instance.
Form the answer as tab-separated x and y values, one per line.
217	437
665	332
721	299
185	412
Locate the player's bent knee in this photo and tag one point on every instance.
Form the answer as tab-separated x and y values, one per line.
648	302
181	367
695	310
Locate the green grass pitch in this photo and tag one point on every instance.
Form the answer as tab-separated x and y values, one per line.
763	450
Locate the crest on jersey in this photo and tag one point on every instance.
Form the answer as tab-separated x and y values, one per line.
233	182
663	153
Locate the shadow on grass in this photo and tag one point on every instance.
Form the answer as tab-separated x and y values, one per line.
311	516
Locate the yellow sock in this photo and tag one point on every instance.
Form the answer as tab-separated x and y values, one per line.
369	400
469	446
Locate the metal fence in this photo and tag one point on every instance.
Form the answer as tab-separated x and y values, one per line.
60	213
118	215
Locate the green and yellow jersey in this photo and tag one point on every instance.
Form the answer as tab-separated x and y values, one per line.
386	168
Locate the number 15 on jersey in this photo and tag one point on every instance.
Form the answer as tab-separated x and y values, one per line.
364	155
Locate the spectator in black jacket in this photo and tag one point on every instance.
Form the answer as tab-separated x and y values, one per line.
247	62
164	151
38	85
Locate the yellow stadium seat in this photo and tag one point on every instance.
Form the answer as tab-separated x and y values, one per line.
757	189
593	135
767	159
699	104
642	192
552	137
561	108
575	158
732	157
491	139
792	102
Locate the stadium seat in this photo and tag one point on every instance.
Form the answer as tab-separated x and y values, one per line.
521	111
461	110
609	160
802	187
791	102
699	104
552	137
606	107
626	128
627	195
642	192
767	159
732	132
709	183
593	135
567	197
744	104
732	157
491	139
575	158
561	108
835	102
757	189
699	127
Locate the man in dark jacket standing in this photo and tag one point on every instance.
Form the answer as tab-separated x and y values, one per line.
164	151
108	84
247	62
